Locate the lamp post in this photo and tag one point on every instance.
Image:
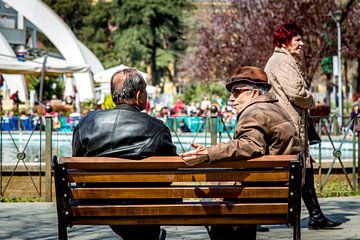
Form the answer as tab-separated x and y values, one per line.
336	15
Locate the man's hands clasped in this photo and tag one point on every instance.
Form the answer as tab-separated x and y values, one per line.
199	155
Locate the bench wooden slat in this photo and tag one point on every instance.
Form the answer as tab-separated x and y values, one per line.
170	162
181	192
242	176
193	221
180	209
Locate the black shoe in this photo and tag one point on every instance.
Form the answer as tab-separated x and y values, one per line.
162	235
322	223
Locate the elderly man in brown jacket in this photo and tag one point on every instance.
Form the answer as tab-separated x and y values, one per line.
263	128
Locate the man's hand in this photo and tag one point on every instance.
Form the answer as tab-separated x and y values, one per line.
196	156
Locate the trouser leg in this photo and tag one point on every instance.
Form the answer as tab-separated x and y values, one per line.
242	232
316	217
130	232
221	232
246	232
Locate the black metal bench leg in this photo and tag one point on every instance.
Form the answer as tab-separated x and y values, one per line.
62	232
297	229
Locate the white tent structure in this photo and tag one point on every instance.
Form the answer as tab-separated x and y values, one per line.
54	28
52	66
14	82
105	76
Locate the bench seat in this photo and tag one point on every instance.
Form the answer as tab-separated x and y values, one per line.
165	191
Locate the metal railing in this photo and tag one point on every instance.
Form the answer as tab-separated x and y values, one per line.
331	131
20	143
204	130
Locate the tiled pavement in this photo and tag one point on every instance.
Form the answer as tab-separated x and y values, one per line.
38	221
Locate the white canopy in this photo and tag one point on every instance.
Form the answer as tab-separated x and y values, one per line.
105	76
53	66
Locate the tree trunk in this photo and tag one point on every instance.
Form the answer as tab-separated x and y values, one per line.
346	80
153	58
358	76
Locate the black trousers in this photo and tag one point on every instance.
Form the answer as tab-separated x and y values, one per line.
241	232
130	232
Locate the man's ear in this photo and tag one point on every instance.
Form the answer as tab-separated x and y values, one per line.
255	93
138	96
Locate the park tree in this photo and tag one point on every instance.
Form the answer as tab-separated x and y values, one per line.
97	31
72	12
150	32
240	33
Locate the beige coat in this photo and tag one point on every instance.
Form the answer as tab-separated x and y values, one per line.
263	128
290	88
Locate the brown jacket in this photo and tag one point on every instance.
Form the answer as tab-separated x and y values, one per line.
289	87
263	128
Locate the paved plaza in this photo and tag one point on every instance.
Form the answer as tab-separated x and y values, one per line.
39	221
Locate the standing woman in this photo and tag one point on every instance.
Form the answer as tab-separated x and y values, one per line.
293	93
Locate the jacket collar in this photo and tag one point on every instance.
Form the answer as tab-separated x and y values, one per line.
269	97
128	107
286	52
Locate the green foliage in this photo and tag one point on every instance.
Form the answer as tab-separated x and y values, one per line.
108	103
132	52
134	33
149	31
327	65
72	12
53	85
196	92
96	33
33	82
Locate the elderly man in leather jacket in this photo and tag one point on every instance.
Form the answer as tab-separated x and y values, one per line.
125	132
263	128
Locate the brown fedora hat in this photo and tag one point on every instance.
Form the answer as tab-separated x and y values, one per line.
248	74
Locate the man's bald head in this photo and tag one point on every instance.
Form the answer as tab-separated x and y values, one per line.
125	84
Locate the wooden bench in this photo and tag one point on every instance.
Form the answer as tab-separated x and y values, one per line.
92	190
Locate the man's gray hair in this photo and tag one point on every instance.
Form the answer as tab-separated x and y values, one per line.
261	88
125	84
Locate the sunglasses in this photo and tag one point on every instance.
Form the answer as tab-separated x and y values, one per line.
237	91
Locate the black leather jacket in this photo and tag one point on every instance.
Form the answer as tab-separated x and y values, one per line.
121	132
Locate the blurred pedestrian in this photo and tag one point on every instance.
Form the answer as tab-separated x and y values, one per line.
15	97
179	104
354	117
183	126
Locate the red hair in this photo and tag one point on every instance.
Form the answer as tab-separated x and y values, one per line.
285	32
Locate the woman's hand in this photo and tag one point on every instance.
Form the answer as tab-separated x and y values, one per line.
196	156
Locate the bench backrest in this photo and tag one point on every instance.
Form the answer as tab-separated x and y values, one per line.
99	190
